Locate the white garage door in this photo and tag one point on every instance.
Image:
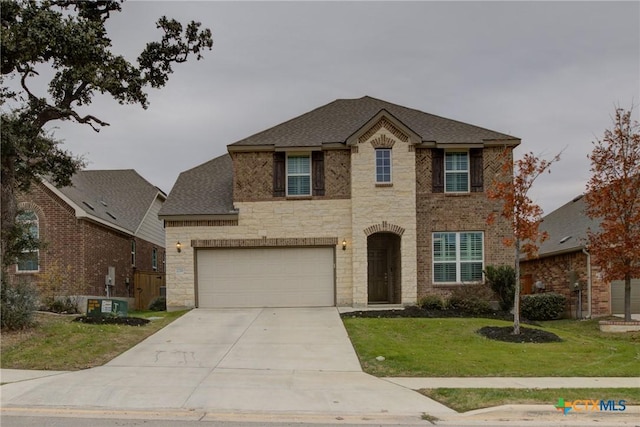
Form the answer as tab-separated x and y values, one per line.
265	277
617	296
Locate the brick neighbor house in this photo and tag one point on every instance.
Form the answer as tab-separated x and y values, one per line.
357	202
105	224
565	266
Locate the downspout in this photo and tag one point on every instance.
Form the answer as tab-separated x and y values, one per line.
584	251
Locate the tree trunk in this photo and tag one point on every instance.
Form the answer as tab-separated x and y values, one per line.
627	297
516	295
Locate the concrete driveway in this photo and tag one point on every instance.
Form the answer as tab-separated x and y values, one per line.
258	361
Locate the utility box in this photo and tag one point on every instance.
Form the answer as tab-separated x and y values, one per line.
97	307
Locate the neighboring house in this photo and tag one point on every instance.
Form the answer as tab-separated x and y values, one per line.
105	224
565	266
357	202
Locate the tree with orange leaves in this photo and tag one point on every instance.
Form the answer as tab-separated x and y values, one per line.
511	185
613	196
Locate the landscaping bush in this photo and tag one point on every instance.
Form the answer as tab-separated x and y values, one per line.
432	302
502	281
18	304
549	306
470	299
65	305
158	304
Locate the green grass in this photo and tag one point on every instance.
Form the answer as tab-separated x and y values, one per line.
468	399
450	347
58	343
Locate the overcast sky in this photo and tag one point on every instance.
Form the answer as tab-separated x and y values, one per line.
550	73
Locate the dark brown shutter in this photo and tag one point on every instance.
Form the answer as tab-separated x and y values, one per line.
279	175
477	170
437	170
317	164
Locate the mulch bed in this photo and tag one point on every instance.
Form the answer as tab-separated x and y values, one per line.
498	333
111	320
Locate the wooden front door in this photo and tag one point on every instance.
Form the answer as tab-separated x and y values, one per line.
378	274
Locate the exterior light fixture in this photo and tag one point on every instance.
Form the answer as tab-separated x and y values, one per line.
344	244
179	247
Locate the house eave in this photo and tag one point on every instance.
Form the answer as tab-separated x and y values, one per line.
200	217
555	253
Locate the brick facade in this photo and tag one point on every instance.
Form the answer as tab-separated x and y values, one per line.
554	272
456	212
253	175
87	248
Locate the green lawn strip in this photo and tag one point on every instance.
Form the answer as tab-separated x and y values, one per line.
468	399
449	347
58	343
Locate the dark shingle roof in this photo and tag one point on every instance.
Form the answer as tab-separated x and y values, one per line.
338	120
567	228
120	197
204	190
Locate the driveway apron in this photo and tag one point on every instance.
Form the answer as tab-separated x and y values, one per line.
249	360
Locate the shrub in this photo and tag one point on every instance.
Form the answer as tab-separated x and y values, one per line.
158	304
502	281
18	303
64	305
432	302
470	299
59	289
547	306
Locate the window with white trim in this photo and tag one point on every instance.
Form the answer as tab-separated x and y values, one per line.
456	172
383	165
458	257
298	175
133	253
154	259
29	260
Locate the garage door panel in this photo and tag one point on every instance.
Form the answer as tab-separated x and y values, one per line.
266	277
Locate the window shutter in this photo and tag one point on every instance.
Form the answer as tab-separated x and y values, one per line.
477	170
279	161
437	170
317	171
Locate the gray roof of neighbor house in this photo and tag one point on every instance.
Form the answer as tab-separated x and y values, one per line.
206	189
119	197
567	228
338	120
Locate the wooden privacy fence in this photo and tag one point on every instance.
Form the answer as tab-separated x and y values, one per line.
147	285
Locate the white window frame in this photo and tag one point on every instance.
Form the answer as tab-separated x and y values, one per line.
384	150
305	155
133	253
458	259
154	259
457	172
29	223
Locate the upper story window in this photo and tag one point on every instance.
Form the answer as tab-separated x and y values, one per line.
29	260
298	175
154	259
456	172
383	165
458	257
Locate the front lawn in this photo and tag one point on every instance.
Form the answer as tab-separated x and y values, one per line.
59	343
450	347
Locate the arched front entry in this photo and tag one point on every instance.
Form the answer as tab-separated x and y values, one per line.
383	268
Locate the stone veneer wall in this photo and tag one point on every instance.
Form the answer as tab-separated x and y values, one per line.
456	212
391	207
265	220
553	271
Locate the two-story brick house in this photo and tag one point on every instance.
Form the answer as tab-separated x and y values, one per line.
357	202
104	224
